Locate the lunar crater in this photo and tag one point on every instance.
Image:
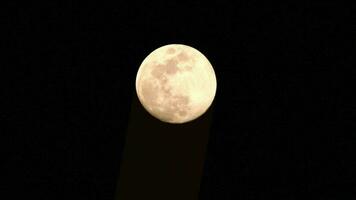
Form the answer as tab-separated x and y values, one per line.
171	50
183	57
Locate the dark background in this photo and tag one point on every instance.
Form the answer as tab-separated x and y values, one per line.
283	121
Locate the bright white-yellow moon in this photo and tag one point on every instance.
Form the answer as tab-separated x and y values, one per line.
176	83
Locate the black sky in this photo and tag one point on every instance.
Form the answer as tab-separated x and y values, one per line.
283	121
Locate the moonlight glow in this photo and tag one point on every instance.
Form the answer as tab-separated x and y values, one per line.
176	83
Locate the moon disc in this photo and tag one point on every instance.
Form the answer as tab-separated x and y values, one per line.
176	83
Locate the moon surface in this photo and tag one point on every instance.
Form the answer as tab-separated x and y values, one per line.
176	83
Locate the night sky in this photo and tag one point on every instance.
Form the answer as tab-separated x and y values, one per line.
283	122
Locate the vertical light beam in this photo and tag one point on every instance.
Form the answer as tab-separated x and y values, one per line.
162	161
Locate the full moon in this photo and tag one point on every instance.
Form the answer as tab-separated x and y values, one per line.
176	83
